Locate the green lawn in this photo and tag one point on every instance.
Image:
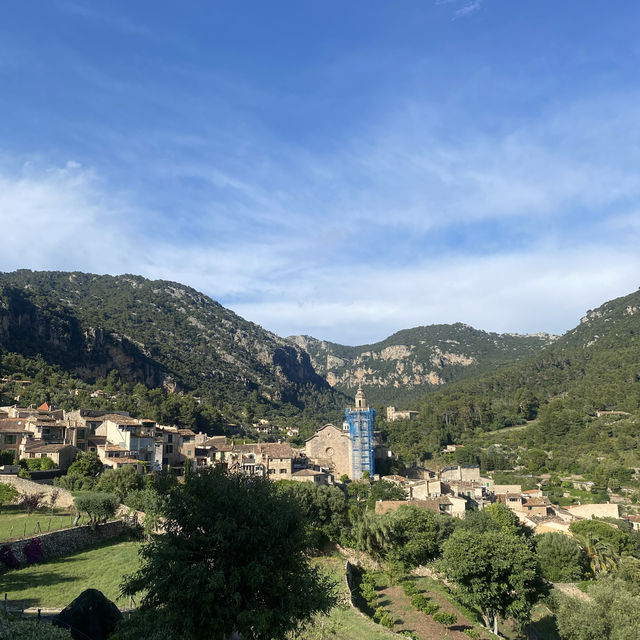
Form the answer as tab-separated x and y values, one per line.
56	582
16	524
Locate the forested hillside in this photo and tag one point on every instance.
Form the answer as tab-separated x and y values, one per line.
399	369
592	368
159	333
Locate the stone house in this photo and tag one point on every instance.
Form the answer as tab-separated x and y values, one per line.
393	414
61	454
468	473
12	434
312	476
128	438
448	505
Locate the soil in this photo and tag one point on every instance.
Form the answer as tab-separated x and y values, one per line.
408	618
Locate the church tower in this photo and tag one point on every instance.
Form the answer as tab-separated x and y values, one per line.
360	420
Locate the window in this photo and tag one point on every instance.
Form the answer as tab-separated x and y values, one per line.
283	471
169	448
9	439
82	434
170	437
271	471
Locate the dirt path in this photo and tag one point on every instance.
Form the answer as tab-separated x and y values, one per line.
394	599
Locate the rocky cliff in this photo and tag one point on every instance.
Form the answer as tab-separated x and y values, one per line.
413	361
156	332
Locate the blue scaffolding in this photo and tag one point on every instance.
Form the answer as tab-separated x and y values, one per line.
361	434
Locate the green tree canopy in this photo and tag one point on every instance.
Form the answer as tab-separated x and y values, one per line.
232	558
495	571
612	614
561	558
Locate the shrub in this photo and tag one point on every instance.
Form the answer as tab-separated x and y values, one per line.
30	501
8	493
8	558
420	602
98	506
33	551
7	456
430	608
409	634
23	473
368	590
409	588
386	620
47	463
32	630
472	633
445	618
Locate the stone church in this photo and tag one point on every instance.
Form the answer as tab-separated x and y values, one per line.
330	448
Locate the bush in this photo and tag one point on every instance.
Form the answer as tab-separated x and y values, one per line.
409	588
30	501
420	602
75	482
444	618
8	558
98	506
8	493
33	551
384	617
23	473
472	633
32	630
7	456
409	634
46	464
368	590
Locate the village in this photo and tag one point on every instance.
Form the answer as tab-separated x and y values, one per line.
331	456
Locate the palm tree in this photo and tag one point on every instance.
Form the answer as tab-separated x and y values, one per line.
600	553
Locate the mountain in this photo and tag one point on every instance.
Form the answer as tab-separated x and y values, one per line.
157	332
402	367
591	369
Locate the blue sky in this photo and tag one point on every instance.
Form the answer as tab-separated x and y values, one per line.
343	169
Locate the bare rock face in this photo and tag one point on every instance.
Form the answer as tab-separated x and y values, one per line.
415	360
91	615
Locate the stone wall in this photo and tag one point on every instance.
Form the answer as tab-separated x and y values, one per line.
64	500
67	541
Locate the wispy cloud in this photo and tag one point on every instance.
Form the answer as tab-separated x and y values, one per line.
468	9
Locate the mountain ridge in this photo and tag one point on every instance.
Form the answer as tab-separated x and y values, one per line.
158	332
413	361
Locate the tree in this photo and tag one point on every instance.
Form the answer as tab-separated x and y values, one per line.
86	464
561	558
612	614
495	572
324	508
231	558
98	506
120	481
8	494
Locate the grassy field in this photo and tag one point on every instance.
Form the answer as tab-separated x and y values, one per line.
56	582
15	523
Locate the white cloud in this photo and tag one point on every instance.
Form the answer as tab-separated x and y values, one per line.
278	236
